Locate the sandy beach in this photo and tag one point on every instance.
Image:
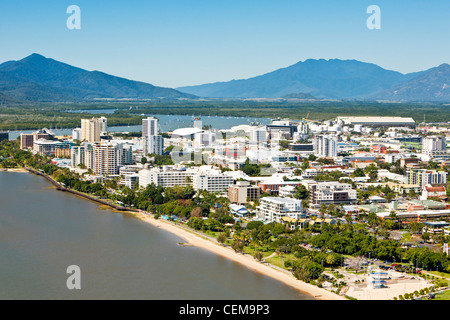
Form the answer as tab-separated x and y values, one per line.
13	170
195	240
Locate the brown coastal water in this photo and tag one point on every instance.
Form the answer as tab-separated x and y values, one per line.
43	231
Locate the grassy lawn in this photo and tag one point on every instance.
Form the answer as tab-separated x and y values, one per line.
279	260
264	250
213	234
444	296
439	274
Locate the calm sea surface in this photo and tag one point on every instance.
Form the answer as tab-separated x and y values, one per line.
43	231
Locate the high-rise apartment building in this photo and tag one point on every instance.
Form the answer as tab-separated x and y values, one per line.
153	145
103	125
258	135
149	127
83	156
108	158
90	130
105	159
325	146
430	144
435	147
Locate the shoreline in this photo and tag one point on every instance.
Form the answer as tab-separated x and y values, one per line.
193	239
13	170
196	240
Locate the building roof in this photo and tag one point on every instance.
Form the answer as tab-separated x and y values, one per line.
281	200
185	132
287	219
385	120
435	189
436	223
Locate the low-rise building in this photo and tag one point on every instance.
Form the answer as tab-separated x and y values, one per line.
167	176
423	177
301	147
274	209
434	227
242	192
63	149
428	191
212	181
332	193
270	186
296	223
45	147
287	191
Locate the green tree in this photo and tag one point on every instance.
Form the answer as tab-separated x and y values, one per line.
237	245
221	238
300	192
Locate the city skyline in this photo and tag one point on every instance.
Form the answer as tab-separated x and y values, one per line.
173	43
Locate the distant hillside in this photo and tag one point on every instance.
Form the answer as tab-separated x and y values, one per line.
336	79
432	85
298	95
40	79
37	78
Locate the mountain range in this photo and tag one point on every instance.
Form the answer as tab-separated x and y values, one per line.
40	79
335	79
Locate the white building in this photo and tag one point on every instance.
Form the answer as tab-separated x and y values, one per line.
258	135
430	144
205	139
45	147
103	125
430	191
153	145
378	121
274	209
167	176
332	192
287	191
325	146
76	134
149	127
82	156
212	181
435	148
131	181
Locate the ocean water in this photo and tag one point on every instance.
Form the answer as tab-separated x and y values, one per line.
44	231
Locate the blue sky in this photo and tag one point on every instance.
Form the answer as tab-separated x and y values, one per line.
174	43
